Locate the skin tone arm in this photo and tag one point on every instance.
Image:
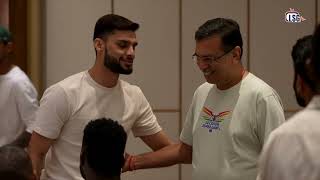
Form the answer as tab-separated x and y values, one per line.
165	153
157	141
166	156
23	140
38	149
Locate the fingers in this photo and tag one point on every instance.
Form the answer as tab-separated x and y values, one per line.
126	166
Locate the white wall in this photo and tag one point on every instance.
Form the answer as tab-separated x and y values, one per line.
163	65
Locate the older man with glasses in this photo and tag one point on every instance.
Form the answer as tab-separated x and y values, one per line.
230	117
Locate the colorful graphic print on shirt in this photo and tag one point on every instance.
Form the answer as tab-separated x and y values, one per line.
212	121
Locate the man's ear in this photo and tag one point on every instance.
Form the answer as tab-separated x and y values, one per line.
99	44
236	53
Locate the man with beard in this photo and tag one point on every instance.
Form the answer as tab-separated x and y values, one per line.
292	152
66	107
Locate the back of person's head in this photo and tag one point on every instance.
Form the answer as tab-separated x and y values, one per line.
103	146
109	23
5	35
227	29
15	164
301	56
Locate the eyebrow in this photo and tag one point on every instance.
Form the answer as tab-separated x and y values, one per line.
207	55
128	42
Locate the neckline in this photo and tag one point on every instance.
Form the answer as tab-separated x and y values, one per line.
94	83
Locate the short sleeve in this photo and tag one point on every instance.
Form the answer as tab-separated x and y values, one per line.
270	115
199	97
53	112
146	122
186	135
27	102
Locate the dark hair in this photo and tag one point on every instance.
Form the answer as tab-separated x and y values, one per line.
15	163
301	52
104	143
110	22
227	29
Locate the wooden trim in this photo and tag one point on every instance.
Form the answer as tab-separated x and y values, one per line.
180	80
4	13
18	27
34	39
248	36
112	6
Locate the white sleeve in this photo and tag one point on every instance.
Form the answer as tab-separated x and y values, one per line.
146	123
286	157
186	135
27	102
53	112
270	115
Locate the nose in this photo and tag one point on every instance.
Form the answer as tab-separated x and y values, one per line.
202	65
131	51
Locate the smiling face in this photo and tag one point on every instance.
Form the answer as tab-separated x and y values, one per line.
120	51
215	64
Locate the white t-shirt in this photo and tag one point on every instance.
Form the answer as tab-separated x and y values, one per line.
67	107
227	128
18	105
292	151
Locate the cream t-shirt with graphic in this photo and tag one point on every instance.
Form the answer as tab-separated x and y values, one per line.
227	128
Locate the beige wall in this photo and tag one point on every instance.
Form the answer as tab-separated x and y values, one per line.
163	65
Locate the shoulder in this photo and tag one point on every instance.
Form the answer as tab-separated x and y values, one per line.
256	86
20	81
204	89
66	87
72	81
299	125
130	89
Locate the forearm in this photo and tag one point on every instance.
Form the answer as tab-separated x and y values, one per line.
167	156
38	148
23	140
37	160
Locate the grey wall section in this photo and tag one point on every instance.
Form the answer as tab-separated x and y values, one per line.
157	58
272	40
68	35
163	66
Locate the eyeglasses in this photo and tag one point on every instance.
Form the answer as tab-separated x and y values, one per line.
208	59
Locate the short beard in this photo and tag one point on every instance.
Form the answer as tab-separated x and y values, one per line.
113	64
300	100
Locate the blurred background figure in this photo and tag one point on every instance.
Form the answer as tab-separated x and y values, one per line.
292	151
18	97
15	164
